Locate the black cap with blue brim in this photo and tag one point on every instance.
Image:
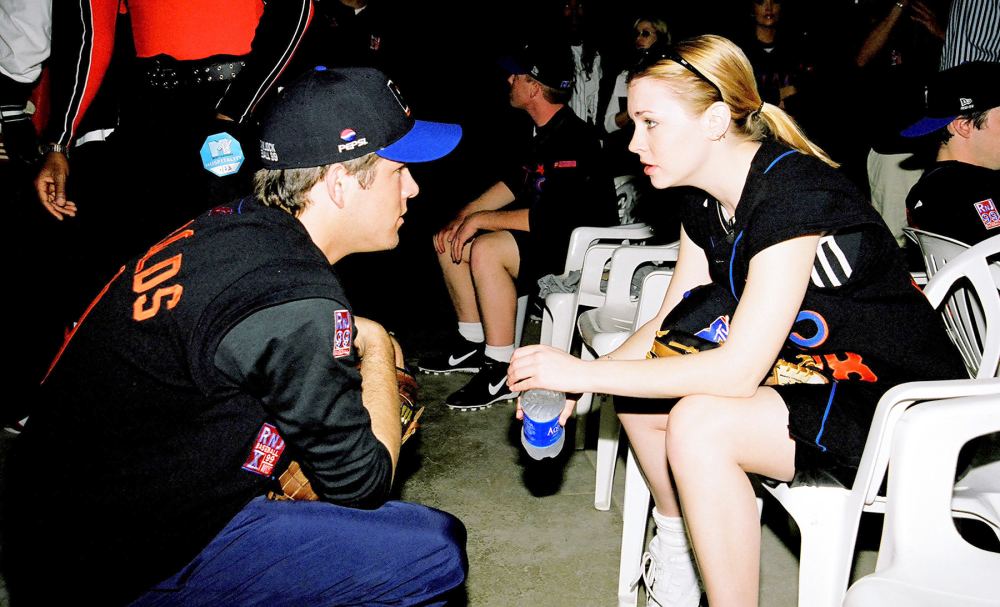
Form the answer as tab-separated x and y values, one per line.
335	115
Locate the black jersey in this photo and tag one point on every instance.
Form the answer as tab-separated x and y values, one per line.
563	183
185	389
862	321
958	200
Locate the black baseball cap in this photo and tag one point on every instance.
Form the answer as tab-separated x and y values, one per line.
550	63
334	115
970	87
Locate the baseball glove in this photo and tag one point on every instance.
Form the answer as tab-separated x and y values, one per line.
294	482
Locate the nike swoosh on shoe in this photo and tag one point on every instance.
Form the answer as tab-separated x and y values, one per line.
454	361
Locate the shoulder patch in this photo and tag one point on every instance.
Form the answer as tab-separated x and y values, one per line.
564	164
988	213
341	333
266	451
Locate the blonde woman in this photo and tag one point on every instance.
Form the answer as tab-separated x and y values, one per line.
793	299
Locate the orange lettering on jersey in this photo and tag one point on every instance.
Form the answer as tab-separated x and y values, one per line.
843	367
168	295
166	242
156	274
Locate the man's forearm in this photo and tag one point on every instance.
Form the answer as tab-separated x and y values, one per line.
496	197
379	394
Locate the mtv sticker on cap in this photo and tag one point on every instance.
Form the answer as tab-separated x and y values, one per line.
988	213
222	154
341	333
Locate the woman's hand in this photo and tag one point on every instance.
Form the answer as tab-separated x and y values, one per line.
567	411
545	367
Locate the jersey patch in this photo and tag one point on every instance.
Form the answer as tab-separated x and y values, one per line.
266	451
718	331
341	333
988	213
564	164
834	255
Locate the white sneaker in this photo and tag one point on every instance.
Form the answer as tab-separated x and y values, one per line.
670	580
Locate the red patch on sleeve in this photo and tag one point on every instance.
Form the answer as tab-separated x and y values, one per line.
341	333
266	451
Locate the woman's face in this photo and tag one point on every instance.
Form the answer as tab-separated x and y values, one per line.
645	35
767	13
669	140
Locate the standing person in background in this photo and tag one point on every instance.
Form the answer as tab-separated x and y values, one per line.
973	33
201	67
762	357
579	31
348	33
647	30
898	53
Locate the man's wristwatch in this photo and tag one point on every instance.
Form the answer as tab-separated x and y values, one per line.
46	148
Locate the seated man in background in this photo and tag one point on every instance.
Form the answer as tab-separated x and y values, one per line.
518	230
959	195
208	364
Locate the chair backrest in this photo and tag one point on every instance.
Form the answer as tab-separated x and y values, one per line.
968	285
627	194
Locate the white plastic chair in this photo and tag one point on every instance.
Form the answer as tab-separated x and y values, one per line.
922	560
590	248
828	516
603	329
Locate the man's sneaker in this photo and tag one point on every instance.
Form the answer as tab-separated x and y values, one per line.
459	355
485	388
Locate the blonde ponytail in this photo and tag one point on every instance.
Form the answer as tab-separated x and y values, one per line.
722	68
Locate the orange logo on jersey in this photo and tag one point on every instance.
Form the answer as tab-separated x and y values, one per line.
146	279
842	368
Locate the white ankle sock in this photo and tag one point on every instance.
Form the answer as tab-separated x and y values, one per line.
472	331
500	353
675	580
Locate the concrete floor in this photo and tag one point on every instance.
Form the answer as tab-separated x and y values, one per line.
535	538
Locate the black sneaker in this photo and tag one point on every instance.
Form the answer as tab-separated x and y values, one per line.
485	388
460	355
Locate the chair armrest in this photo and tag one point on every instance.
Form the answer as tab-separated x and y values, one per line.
625	261
584	236
892	405
594	262
654	288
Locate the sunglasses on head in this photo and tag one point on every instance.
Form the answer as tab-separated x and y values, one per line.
667	52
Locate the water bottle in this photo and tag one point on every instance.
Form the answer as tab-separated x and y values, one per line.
541	435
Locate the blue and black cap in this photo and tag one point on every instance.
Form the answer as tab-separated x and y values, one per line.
334	115
550	63
970	87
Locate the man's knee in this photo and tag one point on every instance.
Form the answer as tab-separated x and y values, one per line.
437	541
493	250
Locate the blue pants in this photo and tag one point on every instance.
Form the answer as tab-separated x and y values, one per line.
314	553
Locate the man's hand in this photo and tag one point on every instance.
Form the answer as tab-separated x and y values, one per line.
465	232
442	240
51	186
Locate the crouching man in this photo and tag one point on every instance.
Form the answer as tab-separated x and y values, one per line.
210	363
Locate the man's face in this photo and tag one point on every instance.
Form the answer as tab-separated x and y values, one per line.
519	90
378	209
985	141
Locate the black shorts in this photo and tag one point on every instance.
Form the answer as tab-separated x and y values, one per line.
536	259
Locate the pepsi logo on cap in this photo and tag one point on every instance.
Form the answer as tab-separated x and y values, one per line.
348	135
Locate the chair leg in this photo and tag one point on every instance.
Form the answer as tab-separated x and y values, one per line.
827	548
635	512
522	312
607	454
